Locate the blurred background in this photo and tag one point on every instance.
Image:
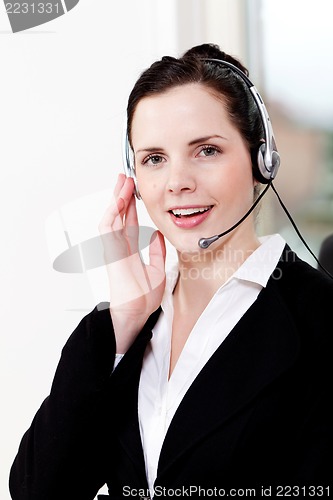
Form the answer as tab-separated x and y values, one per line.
63	93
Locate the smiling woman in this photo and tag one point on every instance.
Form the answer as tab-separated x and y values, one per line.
173	384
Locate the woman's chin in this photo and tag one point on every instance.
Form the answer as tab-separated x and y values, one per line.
187	244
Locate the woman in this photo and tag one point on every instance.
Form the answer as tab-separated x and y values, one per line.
214	379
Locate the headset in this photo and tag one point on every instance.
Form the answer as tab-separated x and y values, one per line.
265	167
268	158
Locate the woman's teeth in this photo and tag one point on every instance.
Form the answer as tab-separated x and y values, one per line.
186	212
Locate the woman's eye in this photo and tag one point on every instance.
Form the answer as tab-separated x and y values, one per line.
152	160
209	151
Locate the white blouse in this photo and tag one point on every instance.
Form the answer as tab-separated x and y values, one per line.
159	397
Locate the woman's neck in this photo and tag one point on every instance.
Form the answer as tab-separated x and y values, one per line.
201	274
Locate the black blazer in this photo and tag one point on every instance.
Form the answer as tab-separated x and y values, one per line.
258	414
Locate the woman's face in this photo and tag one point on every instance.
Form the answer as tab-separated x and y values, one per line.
193	168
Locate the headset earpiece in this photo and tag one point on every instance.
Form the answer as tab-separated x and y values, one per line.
128	163
266	166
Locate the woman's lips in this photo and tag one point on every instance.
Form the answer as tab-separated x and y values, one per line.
189	221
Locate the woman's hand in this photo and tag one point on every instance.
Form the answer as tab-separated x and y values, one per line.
136	289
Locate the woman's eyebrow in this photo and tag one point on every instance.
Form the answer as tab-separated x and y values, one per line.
191	143
206	138
149	150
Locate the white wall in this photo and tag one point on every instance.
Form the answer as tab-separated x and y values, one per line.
63	92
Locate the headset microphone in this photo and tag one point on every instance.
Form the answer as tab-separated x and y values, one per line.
206	242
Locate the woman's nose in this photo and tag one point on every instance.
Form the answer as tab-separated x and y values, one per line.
180	179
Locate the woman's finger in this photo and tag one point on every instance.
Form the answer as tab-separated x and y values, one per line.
157	251
132	226
112	219
127	190
119	184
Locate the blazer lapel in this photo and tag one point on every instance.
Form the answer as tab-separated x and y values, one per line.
260	347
